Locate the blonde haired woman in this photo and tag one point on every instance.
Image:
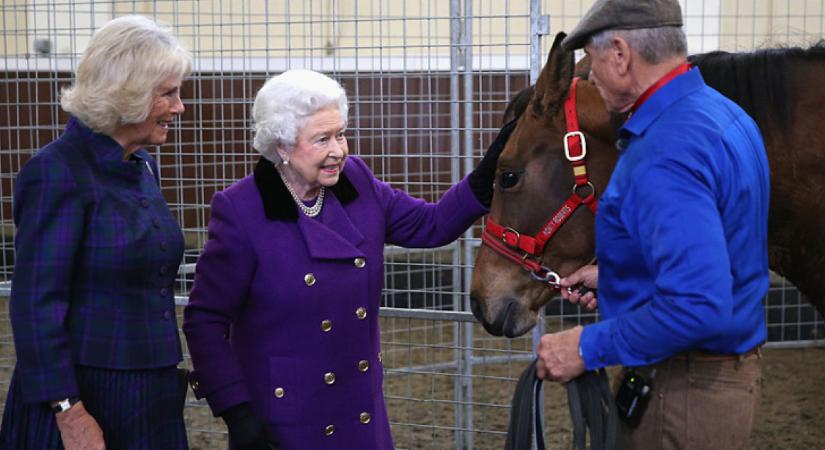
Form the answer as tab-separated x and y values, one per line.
92	306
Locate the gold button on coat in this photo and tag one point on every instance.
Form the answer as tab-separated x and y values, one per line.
363	365
326	325
309	279
359	263
279	392
364	417
361	313
329	429
329	378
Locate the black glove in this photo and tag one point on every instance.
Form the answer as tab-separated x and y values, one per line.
246	430
481	179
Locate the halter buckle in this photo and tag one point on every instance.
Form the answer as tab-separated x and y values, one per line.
510	232
569	135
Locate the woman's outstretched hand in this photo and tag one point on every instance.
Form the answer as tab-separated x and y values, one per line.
483	176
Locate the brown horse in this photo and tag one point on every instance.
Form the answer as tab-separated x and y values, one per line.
780	88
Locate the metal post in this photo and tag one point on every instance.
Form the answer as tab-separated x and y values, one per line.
466	366
539	26
456	64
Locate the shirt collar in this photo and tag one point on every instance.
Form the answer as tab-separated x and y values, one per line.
105	148
661	100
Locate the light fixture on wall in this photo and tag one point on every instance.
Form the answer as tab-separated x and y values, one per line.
42	47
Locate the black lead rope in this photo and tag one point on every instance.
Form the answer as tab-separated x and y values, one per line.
591	406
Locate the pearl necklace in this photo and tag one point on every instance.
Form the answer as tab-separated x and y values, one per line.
310	211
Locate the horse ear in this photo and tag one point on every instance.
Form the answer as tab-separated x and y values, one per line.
555	78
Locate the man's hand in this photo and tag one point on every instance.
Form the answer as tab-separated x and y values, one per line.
558	355
587	276
79	430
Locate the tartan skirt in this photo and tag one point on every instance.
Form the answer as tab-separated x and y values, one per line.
136	409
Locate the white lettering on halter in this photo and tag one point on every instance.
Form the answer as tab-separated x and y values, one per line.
558	218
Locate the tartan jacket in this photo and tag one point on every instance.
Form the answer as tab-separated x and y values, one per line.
97	250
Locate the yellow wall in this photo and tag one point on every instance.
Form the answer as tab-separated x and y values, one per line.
764	23
369	29
13	27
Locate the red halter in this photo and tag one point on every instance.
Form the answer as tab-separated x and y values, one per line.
527	250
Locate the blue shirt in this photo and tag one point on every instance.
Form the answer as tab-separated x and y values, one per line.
681	232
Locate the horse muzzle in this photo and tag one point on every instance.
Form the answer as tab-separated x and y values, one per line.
506	322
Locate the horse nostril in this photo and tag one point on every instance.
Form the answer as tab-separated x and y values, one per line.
475	307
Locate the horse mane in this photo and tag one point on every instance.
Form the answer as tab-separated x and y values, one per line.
518	105
757	81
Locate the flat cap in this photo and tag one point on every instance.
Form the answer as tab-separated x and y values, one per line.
623	15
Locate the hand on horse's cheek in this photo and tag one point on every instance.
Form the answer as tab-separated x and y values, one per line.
558	355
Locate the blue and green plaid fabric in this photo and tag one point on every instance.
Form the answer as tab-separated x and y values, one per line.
97	250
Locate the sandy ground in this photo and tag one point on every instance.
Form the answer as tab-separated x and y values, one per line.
422	403
791	414
422	407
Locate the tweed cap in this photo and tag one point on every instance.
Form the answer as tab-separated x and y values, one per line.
623	15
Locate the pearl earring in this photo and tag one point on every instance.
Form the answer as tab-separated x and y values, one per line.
285	162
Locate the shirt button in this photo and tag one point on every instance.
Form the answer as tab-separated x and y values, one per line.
361	313
195	385
167	315
156	222
363	365
309	279
380	356
163	246
144	202
279	392
164	291
359	263
326	325
364	417
328	430
163	270
329	378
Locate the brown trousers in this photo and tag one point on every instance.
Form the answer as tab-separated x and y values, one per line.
699	402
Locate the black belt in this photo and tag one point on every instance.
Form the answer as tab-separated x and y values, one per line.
709	356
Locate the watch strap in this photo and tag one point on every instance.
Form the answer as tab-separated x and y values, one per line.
65	404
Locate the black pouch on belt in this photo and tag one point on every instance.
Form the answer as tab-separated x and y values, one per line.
632	397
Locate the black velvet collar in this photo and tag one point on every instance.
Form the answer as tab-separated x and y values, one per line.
278	203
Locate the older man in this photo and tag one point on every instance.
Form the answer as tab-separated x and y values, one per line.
681	237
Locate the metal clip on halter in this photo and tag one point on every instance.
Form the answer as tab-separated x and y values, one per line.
545	275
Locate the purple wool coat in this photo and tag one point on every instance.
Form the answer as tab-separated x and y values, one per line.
284	308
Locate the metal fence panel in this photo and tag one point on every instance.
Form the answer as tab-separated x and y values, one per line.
427	82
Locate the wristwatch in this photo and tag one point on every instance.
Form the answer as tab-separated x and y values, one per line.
65	404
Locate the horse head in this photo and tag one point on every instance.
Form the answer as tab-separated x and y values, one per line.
534	181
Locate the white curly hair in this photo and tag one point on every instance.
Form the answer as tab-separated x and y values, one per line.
285	102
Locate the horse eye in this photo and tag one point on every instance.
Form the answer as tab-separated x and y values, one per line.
509	179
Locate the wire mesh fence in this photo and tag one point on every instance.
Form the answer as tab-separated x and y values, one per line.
427	82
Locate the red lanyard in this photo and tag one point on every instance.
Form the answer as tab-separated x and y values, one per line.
682	68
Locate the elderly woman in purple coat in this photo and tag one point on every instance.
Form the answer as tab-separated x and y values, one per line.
282	321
